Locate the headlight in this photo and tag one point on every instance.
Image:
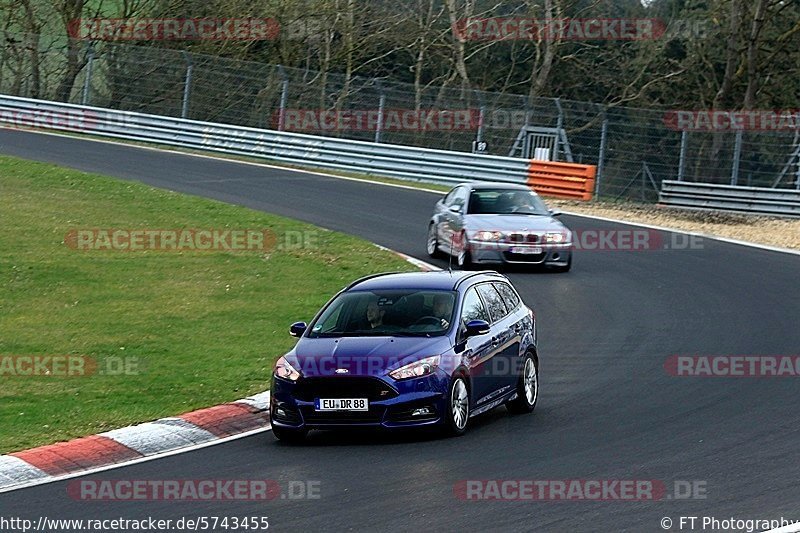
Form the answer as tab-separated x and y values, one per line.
420	368
555	238
284	370
488	236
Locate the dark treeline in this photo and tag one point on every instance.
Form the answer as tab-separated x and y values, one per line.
723	54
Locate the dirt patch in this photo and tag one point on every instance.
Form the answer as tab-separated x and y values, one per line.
771	231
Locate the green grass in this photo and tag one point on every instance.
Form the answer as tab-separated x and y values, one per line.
205	327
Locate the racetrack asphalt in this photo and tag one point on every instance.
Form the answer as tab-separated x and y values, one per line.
608	409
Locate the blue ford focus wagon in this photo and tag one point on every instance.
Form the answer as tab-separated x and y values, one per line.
408	350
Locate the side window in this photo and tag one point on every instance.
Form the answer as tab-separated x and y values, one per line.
497	309
509	295
472	308
459	196
448	199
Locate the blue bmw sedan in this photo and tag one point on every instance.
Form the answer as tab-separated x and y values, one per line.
408	350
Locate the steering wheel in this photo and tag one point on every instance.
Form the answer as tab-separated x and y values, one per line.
428	320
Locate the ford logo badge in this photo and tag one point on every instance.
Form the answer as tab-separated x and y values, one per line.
342	371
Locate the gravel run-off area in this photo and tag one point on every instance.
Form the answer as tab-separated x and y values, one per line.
771	231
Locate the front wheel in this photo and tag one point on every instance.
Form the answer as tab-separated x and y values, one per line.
457	415
527	388
432	244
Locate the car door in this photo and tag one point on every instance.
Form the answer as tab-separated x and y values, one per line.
442	206
479	349
504	339
452	219
518	321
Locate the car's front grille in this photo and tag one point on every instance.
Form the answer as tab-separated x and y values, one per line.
373	416
524	238
373	389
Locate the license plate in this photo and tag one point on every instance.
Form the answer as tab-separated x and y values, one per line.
341	404
526	249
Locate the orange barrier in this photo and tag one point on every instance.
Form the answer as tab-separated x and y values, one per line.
562	180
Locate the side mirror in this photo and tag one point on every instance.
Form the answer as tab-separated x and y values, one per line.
555	213
455	208
477	327
297	329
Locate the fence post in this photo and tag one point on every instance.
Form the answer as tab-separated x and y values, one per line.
602	155
284	98
797	172
187	85
682	158
560	123
381	107
528	111
481	117
87	82
797	153
737	152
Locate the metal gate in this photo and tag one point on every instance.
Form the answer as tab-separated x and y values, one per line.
541	144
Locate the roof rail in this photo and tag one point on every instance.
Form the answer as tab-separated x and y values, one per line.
365	278
473	274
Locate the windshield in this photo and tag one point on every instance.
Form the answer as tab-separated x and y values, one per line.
409	313
505	202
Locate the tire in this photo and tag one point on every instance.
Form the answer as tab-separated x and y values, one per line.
432	243
457	415
527	391
289	436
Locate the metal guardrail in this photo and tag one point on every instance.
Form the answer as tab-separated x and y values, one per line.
755	200
405	162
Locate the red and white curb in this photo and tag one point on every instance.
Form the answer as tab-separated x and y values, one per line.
200	428
147	441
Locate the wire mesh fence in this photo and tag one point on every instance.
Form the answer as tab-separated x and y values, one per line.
635	149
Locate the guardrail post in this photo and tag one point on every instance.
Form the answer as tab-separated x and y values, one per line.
682	158
284	98
87	81
187	85
737	152
601	156
381	107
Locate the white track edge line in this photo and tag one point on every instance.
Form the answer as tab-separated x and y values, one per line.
398	186
227	160
791	528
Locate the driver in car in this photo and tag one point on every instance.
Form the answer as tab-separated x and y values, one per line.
374	315
443	309
522	202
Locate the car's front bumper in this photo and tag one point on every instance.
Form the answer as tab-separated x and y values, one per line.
503	252
292	404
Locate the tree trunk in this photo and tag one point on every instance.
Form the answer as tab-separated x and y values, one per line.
71	10
752	54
